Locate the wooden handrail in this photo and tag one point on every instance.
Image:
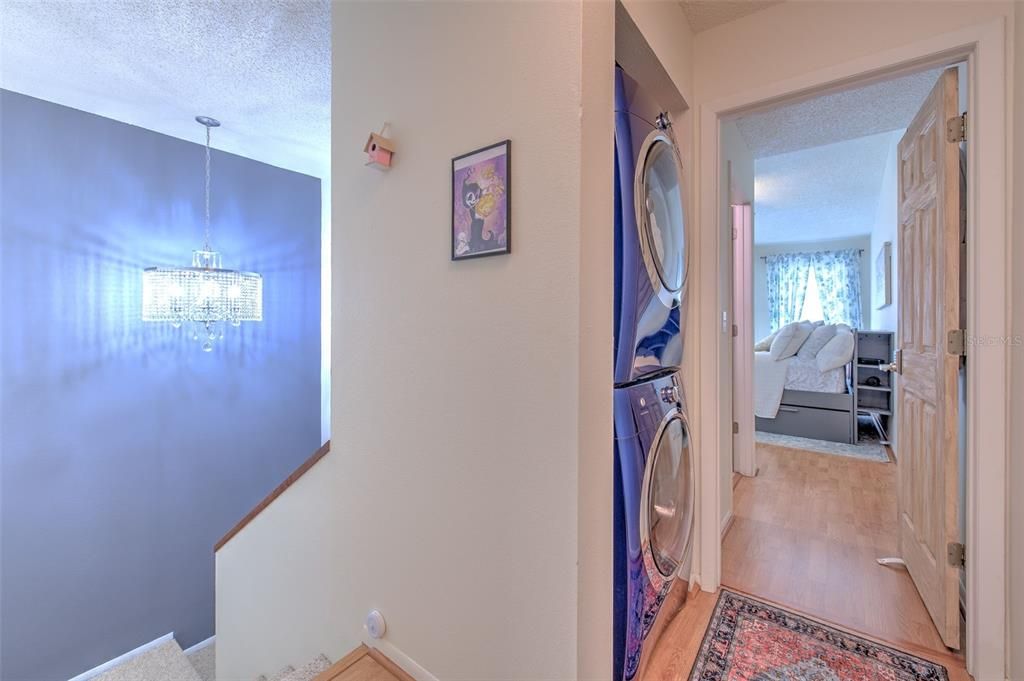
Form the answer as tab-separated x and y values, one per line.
277	491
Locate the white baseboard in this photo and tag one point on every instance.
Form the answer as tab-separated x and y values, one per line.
727	522
408	664
121	659
199	646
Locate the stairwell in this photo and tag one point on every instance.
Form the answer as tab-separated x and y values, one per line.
166	661
363	663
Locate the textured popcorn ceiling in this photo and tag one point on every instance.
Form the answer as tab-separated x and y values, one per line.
867	110
261	67
820	163
705	14
821	193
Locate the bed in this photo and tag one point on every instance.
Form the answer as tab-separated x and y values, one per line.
792	397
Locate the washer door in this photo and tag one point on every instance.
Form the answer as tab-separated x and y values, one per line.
661	217
667	517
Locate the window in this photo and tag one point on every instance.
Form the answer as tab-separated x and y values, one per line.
812	310
820	285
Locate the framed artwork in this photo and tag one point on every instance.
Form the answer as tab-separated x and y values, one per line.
883	276
481	202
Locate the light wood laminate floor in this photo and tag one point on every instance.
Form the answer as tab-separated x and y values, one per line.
805	536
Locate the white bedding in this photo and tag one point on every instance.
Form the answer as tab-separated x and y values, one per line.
772	377
803	374
769	382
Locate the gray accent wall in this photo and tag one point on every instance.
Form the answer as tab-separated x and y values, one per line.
125	451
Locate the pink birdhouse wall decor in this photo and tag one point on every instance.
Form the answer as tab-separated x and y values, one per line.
379	150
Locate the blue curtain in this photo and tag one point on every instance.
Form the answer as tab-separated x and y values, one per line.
787	287
837	274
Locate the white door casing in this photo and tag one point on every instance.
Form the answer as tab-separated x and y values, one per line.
983	45
744	452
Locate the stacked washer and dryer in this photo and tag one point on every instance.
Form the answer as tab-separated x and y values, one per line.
654	479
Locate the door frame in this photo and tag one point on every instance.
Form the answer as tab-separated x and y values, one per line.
983	47
744	454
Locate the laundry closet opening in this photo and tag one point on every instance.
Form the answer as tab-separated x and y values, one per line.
654	463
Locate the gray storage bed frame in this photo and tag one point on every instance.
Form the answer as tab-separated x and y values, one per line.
819	416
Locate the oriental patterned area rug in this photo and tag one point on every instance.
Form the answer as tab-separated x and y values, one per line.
748	640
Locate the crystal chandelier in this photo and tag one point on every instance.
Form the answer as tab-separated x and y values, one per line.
204	296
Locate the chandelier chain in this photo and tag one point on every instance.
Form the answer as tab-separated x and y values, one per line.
207	237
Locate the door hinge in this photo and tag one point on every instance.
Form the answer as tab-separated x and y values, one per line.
735	428
956	554
735	234
956	342
956	128
735	330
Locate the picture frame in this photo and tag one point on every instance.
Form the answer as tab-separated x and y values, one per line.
481	202
883	276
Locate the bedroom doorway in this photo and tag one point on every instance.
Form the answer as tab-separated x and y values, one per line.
841	274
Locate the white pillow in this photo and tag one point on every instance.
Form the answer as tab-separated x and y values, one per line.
843	327
782	338
789	339
765	344
816	341
836	352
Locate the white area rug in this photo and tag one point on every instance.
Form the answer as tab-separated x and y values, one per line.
868	446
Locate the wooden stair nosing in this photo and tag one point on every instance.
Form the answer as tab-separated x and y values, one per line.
334	672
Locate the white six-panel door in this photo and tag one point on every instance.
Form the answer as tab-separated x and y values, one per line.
926	389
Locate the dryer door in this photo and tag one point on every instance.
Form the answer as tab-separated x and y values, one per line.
668	500
661	217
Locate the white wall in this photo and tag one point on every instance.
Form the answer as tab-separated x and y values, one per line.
325	308
1016	476
762	325
788	39
884	229
737	166
668	34
596	284
471	399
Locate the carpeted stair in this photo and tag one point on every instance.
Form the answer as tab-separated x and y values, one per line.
168	662
205	661
165	662
306	672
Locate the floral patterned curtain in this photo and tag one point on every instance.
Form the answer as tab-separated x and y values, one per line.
787	286
837	274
